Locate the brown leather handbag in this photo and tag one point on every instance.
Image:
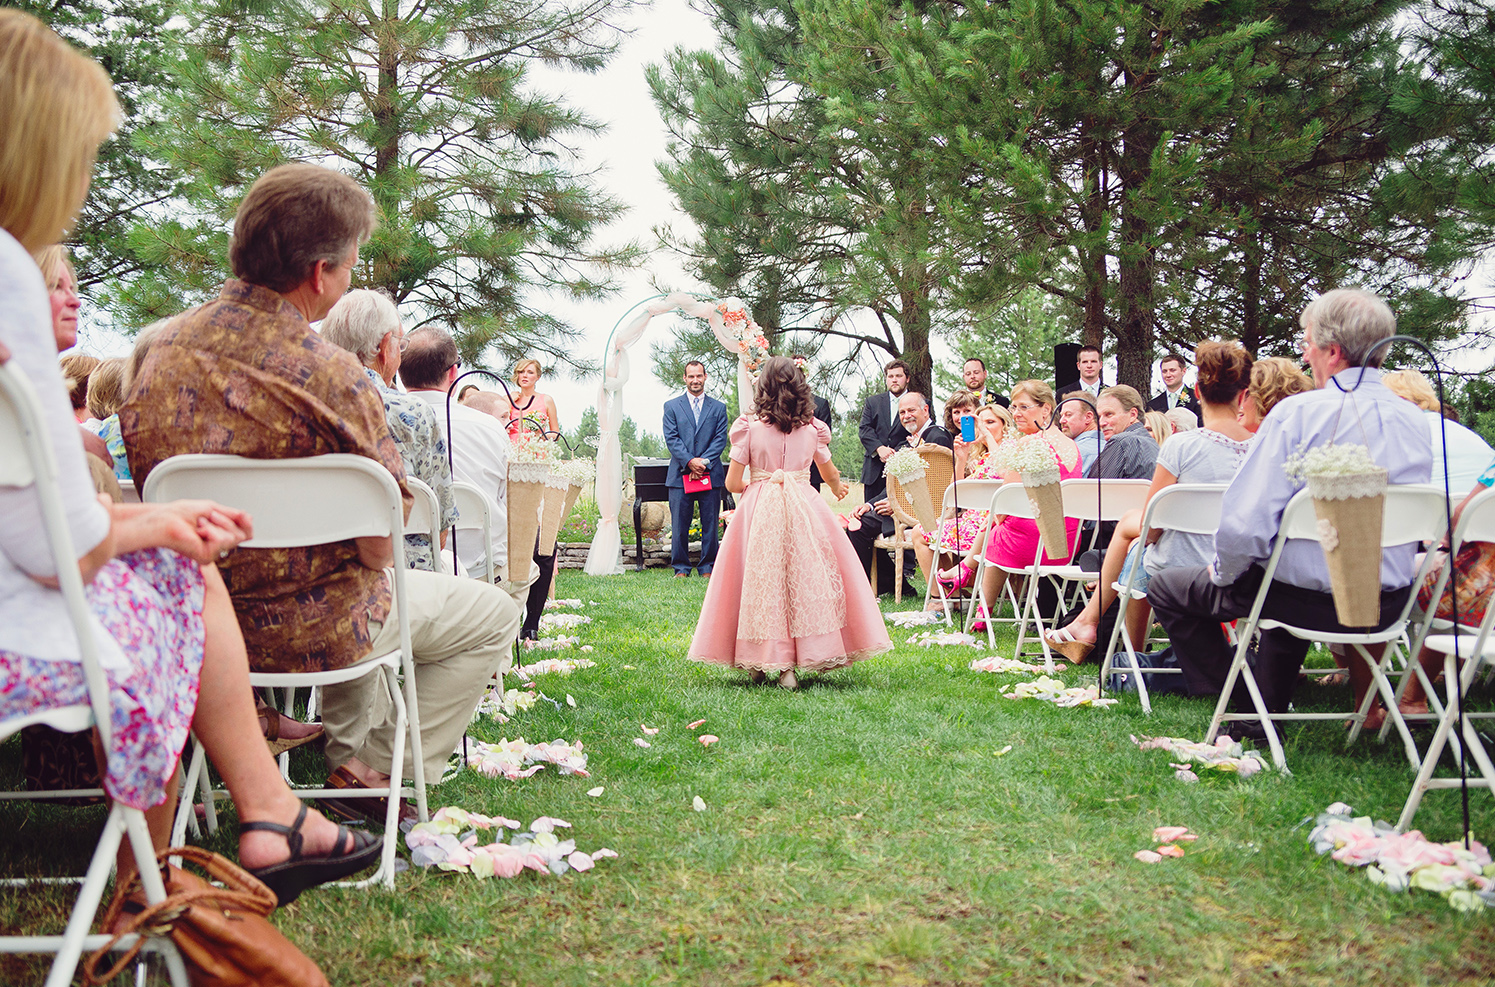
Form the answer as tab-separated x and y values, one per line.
222	933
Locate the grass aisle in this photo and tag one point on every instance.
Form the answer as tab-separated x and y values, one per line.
865	830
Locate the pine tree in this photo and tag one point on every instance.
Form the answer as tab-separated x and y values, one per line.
429	105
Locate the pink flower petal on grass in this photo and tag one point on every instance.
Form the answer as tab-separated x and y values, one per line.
651	731
692	726
580	861
707	739
1170	851
604	852
1148	856
1167	834
546	824
641	742
594	792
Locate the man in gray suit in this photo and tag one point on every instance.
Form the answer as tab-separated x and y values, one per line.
881	432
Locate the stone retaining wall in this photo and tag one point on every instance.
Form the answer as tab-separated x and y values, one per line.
573	555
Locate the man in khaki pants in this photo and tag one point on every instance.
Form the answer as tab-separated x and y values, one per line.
245	375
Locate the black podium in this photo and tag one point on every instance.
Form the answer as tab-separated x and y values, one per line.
648	485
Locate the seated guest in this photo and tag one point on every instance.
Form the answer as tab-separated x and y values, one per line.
1130	451
959	404
1272	379
168	645
1468	453
866	523
106	392
913	415
1158	426
1078	420
1339	330
973	461
1182	420
1174	394
1211	454
480	442
77	367
367	324
245	375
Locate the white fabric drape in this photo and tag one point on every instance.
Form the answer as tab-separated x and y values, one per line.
605	557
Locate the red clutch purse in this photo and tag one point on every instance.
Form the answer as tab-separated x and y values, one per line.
693	485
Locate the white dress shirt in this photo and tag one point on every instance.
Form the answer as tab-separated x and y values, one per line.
480	456
1397	437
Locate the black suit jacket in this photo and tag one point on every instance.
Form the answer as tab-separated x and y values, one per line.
1160	402
1075	385
879	427
937	435
822	412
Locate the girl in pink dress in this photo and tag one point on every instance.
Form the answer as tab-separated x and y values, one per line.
788	593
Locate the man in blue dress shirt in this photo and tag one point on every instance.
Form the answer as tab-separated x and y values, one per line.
1340	328
695	430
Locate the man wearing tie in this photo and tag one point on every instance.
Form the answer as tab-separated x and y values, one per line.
695	430
1088	364
880	431
1175	394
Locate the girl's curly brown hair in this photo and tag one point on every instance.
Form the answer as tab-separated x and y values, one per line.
781	396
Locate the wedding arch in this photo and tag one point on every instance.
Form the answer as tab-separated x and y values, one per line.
733	328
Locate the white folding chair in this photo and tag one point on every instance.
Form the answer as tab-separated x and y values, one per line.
474	517
315	501
966	495
1413	513
1009	499
128	492
1464	654
1187	508
25	460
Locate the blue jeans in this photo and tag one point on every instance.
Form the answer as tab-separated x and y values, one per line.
682	509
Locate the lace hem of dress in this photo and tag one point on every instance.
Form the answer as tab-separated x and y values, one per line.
840	661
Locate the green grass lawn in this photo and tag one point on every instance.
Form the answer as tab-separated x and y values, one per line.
865	830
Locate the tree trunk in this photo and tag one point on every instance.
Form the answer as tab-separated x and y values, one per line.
1251	293
1093	253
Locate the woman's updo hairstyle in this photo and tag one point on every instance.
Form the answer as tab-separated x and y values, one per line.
1224	371
781	396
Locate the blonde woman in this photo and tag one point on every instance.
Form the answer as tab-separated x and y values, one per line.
527	407
106	392
1468	454
973	461
1272	379
1159	426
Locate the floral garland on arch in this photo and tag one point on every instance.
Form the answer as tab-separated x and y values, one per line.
752	344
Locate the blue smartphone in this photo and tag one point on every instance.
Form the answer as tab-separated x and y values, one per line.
968	428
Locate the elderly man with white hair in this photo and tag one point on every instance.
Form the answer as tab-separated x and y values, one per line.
367	324
1340	331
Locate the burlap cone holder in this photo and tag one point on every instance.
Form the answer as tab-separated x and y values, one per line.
1048	508
560	496
923	504
1350	511
526	498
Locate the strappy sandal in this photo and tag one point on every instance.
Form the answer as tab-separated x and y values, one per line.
269	719
358	808
353	852
1064	642
957	578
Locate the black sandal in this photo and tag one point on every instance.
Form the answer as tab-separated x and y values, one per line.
353	852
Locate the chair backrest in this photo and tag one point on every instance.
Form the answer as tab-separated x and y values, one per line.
1193	508
939	470
1414	512
1103	500
425	513
1477	522
969	494
473	514
293	502
1012	500
26	459
903	507
128	492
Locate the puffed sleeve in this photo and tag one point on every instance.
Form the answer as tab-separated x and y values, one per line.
738	436
822	441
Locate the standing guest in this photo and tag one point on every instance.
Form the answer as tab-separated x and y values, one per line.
1272	379
1174	394
367	324
528	411
789	596
1468	454
880	430
1087	362
106	392
822	413
170	650
1340	328
245	375
1079	421
974	375
695	431
480	444
913	415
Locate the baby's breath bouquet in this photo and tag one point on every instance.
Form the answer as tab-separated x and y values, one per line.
907	467
562	487
1349	497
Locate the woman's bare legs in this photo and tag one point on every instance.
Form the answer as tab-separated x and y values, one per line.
229	731
992	583
1083	627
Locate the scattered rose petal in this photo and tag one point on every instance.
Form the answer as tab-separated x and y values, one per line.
594	792
1148	856
546	824
1340	809
586	649
580	861
631	668
692	726
651	731
641	742
570	700
1004	750
604	852
1171	850
707	739
698	803
1167	834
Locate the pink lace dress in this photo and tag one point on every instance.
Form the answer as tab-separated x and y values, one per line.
1013	542
787	590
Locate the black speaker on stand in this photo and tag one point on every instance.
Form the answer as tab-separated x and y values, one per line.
1066	356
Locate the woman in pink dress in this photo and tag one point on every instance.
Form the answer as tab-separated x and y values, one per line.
788	593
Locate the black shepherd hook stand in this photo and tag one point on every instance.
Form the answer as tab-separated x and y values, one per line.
1453	572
